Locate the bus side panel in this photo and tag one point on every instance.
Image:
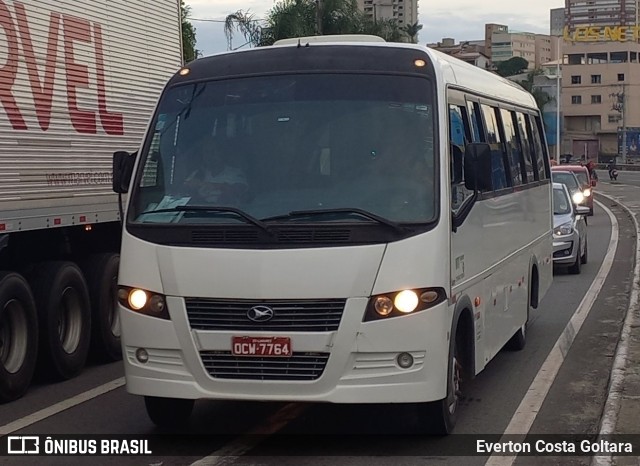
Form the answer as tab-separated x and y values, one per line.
495	246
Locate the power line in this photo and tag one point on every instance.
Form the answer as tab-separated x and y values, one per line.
221	20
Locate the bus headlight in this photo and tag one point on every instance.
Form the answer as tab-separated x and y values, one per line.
403	302
406	301
143	301
137	299
383	305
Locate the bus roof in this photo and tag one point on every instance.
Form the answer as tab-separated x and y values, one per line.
450	70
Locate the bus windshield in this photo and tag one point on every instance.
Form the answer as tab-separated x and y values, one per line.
268	146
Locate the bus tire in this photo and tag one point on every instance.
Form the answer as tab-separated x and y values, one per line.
519	339
18	336
101	272
168	412
64	312
440	417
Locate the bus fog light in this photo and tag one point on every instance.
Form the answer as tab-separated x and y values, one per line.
405	360
383	305
142	356
137	299
406	301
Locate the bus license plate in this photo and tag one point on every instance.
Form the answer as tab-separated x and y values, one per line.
261	346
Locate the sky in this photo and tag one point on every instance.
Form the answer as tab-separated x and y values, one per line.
459	19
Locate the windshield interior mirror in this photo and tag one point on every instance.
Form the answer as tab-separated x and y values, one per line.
122	170
477	167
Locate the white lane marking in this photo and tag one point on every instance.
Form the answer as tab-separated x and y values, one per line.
59	407
530	405
620	361
234	450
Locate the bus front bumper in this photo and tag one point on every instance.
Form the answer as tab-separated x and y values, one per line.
356	364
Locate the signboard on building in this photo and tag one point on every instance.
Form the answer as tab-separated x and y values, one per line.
603	34
633	142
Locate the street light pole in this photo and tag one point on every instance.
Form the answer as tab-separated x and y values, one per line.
624	124
558	136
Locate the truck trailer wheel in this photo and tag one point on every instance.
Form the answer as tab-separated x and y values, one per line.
18	336
63	306
101	272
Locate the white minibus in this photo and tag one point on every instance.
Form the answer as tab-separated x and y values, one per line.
335	220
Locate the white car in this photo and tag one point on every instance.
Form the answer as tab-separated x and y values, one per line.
569	230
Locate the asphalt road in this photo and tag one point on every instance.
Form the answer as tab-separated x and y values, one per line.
359	435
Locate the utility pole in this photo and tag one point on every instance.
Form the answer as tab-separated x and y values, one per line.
618	105
560	56
624	124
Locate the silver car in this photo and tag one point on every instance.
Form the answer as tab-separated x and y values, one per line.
569	230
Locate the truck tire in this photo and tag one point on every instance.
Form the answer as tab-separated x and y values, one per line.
64	312
101	272
18	336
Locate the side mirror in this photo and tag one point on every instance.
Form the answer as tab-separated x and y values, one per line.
593	183
122	170
477	167
582	210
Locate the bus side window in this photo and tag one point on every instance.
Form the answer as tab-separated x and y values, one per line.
525	145
537	145
476	135
516	161
497	152
459	132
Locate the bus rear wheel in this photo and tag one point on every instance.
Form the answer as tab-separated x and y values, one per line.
168	412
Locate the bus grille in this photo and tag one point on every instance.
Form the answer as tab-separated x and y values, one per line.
300	366
288	315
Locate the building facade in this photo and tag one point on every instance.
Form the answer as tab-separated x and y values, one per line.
403	11
471	52
601	80
502	44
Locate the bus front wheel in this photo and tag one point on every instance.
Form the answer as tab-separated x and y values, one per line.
168	412
440	417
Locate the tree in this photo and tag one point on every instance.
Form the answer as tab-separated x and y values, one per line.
246	24
512	66
299	18
541	97
189	51
412	31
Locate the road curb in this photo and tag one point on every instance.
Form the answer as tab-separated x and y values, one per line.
612	416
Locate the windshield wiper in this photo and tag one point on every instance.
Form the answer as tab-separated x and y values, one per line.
346	211
204	208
